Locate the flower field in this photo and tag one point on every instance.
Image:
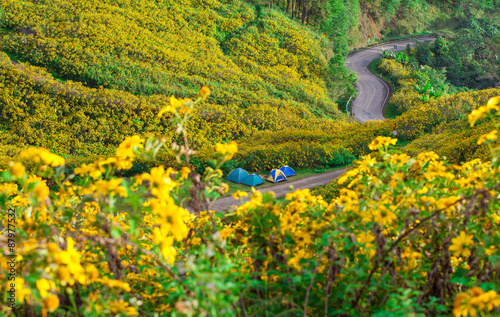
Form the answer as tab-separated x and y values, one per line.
405	235
81	123
243	53
109	172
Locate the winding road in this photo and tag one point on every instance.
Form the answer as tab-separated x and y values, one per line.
373	93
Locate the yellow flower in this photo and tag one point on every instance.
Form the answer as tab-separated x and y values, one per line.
476	115
93	273
124	164
8	188
493	104
381	141
63	274
43	287
126	148
121	306
479	112
21	292
346	175
384	216
174	104
367	163
177	103
365	237
19	201
50	158
44	155
228	149
42	191
491	299
474	302
161	182
399	159
448	204
51	303
168	108
17	169
185	172
111	187
204	92
460	243
52	247
239	194
492	136
427	156
71	259
226	232
109	161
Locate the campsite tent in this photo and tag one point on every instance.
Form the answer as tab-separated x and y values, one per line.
288	171
237	175
253	180
276	176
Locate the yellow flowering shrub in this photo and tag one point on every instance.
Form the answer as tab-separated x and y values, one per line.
81	123
404	97
173	48
404	235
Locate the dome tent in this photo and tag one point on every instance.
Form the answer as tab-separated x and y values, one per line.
276	176
288	171
237	176
253	180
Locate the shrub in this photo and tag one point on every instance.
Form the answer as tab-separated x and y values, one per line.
150	48
406	236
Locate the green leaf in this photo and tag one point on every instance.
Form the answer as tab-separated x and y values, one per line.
459	277
116	232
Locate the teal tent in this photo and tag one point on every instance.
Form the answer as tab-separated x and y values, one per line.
253	180
288	171
238	175
276	176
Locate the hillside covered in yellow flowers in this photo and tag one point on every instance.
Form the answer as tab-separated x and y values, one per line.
249	56
119	120
78	76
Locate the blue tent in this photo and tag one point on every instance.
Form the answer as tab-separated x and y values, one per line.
276	176
237	175
253	180
288	171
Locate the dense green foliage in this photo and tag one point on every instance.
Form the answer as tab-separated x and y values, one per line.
355	22
267	73
413	84
469	58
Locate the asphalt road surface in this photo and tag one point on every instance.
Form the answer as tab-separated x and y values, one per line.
282	188
373	92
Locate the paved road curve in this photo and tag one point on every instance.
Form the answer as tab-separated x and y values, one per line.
373	92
